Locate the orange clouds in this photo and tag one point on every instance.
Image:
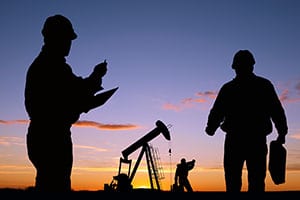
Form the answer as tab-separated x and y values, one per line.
90	148
106	126
295	136
208	94
21	121
190	102
90	124
8	141
285	97
169	106
290	92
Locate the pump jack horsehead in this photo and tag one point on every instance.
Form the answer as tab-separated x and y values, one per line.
122	181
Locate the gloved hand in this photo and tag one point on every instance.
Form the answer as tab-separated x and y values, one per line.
97	74
100	69
209	131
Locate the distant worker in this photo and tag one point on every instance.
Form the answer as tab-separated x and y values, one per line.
181	175
54	100
245	109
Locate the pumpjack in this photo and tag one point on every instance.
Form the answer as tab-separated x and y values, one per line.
122	182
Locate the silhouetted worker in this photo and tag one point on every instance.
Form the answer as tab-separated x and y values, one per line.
54	99
245	109
181	175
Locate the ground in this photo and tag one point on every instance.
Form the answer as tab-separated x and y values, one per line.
147	194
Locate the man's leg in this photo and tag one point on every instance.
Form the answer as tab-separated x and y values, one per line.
233	164
256	165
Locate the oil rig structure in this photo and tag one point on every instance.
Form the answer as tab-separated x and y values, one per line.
122	182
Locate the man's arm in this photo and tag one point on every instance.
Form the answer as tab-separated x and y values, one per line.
95	77
278	116
216	114
191	164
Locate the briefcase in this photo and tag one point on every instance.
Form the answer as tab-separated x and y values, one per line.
277	162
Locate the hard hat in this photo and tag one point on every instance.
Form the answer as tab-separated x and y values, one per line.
243	58
58	26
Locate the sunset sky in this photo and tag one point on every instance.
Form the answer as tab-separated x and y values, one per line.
169	58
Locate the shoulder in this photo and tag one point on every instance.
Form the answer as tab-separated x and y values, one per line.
228	85
263	81
35	66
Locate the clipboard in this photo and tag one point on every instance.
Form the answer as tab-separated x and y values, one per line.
101	98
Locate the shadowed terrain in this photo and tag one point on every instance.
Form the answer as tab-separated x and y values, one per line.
144	193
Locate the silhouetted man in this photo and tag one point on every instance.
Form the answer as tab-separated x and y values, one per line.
181	175
245	109
54	99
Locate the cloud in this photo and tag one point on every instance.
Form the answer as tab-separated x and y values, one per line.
293	167
287	97
84	124
78	170
8	141
15	169
208	94
190	102
8	122
170	106
295	136
290	92
90	148
101	126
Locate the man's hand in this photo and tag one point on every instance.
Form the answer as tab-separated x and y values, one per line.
209	131
100	69
97	74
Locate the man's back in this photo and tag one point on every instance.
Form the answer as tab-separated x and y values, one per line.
248	103
50	89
